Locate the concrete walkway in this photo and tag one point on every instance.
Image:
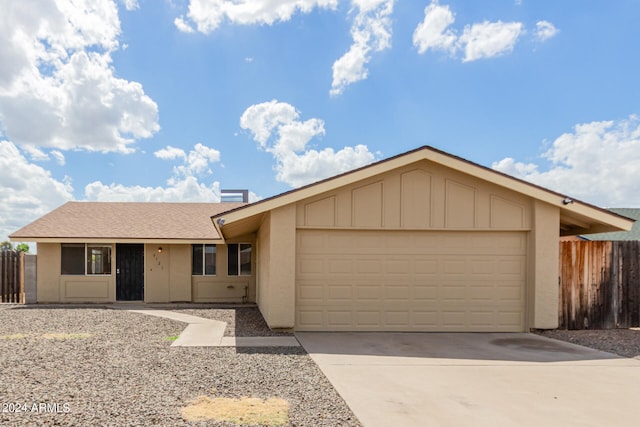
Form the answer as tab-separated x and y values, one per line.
440	379
201	332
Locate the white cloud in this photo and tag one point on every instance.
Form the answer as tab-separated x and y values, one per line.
59	157
277	128
477	41
371	32
184	185
433	32
545	30
60	76
597	162
182	25
188	189
170	153
489	39
27	190
36	154
130	4
207	15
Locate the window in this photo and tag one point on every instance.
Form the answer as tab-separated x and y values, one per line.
80	259
203	260
239	259
72	259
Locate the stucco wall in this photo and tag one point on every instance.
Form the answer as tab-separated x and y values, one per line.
277	268
167	277
54	287
543	266
222	287
263	255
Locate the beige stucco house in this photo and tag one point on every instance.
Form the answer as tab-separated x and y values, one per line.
424	241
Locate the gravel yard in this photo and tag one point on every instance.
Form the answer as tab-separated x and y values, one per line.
624	342
113	367
241	322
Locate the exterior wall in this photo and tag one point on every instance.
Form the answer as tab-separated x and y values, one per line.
276	297
48	277
426	196
167	278
157	273
543	266
222	287
180	273
263	255
54	287
420	196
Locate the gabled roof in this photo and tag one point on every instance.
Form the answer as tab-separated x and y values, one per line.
125	222
633	234
576	217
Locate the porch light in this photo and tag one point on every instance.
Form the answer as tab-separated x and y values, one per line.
160	250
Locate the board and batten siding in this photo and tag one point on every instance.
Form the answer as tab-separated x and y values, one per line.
420	196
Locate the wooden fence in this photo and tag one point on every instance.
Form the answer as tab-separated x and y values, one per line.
12	276
599	285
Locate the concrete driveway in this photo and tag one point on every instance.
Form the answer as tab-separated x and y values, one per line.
439	379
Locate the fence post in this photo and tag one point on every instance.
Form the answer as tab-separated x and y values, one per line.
21	282
30	279
4	279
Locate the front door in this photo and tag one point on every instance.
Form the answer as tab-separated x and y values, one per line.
129	272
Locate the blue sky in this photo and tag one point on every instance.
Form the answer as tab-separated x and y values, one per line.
171	100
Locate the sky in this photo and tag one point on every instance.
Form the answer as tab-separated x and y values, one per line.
173	100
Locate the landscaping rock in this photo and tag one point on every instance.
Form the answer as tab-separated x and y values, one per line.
94	366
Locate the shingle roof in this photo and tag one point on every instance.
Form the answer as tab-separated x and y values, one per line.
127	220
633	234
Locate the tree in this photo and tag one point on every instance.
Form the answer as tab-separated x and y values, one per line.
22	247
6	246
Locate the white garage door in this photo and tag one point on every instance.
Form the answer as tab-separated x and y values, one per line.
410	281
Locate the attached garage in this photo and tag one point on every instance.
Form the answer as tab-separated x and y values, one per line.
424	241
410	281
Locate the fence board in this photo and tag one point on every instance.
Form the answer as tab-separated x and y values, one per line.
12	276
599	284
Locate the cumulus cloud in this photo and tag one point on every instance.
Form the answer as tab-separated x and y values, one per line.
27	190
476	41
489	39
184	185
545	30
188	189
597	162
277	128
207	15
371	32
433	32
170	153
57	72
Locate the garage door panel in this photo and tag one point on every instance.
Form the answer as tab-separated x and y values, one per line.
427	281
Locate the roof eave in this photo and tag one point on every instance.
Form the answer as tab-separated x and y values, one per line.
602	218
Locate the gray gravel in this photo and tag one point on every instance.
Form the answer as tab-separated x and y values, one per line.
126	373
241	322
624	342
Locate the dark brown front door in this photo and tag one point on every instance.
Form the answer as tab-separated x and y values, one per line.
129	272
